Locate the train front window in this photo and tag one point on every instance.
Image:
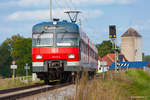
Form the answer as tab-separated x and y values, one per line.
67	39
42	40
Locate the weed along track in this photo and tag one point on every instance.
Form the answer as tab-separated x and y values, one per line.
16	93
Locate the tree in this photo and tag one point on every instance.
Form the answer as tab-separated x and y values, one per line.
6	53
22	53
10	41
143	57
5	60
104	48
147	58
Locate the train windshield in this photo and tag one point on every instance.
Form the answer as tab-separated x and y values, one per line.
42	39
67	39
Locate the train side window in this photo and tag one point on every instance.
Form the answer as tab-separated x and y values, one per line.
100	68
86	49
81	45
90	52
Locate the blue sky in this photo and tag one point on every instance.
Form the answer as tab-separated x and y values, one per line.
18	16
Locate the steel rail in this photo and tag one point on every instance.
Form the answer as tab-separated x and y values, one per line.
19	88
32	92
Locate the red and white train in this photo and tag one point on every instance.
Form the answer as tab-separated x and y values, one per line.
60	49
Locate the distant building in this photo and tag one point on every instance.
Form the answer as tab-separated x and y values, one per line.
102	65
131	45
140	65
108	60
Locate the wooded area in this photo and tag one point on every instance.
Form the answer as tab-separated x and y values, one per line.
19	49
16	48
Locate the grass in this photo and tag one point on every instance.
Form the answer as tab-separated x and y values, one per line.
140	84
115	86
10	83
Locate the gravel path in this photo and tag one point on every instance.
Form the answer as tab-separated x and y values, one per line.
57	94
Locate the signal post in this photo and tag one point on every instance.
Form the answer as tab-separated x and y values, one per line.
13	67
113	37
26	67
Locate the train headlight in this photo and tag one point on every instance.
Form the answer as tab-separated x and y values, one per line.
39	56
54	22
71	56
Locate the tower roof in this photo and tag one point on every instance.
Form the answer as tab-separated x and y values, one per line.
131	33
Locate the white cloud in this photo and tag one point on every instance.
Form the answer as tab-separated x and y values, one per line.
125	1
34	15
28	15
139	27
103	2
90	14
7	4
26	3
44	14
145	25
63	3
149	21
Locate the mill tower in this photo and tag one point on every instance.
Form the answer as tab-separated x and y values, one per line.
131	45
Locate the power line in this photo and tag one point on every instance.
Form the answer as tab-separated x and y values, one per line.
58	4
67	4
72	4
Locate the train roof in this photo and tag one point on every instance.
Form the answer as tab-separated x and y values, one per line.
58	23
68	25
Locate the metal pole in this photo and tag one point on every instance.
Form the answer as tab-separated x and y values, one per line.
27	76
27	73
51	10
114	47
115	57
80	23
103	65
54	40
13	73
118	67
103	70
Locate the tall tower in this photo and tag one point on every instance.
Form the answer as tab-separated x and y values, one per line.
131	45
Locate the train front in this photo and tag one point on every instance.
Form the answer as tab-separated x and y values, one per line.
55	49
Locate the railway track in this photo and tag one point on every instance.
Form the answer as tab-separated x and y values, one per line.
16	93
19	88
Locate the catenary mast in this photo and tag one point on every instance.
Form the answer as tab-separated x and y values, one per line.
51	10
